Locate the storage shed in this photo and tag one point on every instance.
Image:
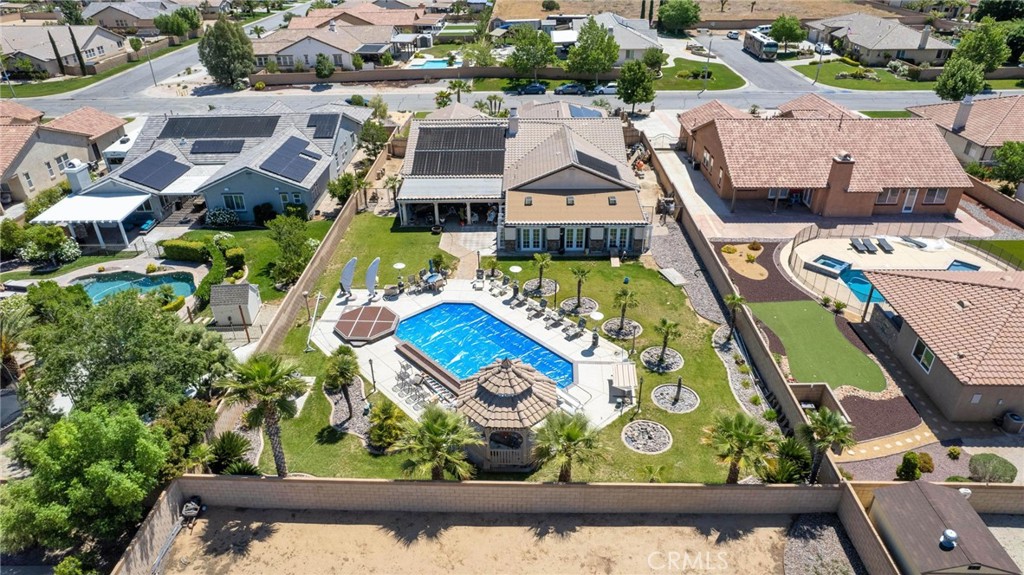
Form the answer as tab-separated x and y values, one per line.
235	304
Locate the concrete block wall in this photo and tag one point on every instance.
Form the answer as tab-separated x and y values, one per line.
144	548
863	535
985	497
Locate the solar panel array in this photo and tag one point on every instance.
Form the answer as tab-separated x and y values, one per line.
155	171
453	151
597	164
326	125
220	127
583	112
291	160
217	146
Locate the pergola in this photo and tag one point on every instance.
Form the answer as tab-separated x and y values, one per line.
436	191
94	209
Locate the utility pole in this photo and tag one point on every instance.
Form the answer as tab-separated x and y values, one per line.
150	61
707	63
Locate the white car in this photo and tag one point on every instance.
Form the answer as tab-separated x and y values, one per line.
609	88
822	48
733	35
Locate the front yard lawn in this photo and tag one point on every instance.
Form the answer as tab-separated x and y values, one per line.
512	84
82	262
816	350
887	80
677	77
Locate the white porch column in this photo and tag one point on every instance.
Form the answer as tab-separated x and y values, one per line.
437	215
124	236
99	236
469	214
401	214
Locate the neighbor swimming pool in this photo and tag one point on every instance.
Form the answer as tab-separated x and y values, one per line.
860	286
959	266
462	338
435	64
103	285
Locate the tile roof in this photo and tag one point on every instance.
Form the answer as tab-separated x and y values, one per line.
630	34
86	121
507	394
558	109
31	40
234	294
811	105
876	33
759	153
367	13
970	320
564	149
12	112
992	121
143	10
345	38
13	139
456	111
694	118
590	207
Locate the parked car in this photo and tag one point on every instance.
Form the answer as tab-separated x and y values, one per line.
534	88
578	89
822	48
609	88
733	35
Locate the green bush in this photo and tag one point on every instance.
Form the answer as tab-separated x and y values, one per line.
728	249
770	414
990	468
297	210
357	100
186	251
152	268
700	74
978	171
228	448
235	258
909	469
263	213
756	400
850	61
957	479
953	453
45	199
260	86
176	304
925	463
239	274
218	270
12	239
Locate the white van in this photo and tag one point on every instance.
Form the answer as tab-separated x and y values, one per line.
764	28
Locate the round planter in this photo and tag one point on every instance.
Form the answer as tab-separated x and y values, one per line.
647	437
673	360
664	396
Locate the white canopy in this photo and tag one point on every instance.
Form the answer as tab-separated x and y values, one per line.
95	207
564	36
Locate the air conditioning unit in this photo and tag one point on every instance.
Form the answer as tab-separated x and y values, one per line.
1013	422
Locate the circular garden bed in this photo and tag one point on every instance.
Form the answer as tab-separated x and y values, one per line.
673	359
647	437
664	396
550	287
587	306
630	328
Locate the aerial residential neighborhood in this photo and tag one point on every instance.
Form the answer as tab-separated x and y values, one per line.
512	286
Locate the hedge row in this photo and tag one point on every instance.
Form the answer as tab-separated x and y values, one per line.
216	276
186	251
235	257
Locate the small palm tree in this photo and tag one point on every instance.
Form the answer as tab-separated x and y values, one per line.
733	301
341	372
581	273
14	324
436	444
258	30
460	87
791	464
565	440
481	106
443	98
393	182
542	261
741	441
625	298
227	448
268	385
668	330
827	430
654	473
494	104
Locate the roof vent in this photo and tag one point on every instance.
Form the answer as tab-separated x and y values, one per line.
948	540
613	201
124	140
570	200
528	201
965	492
844	156
964	304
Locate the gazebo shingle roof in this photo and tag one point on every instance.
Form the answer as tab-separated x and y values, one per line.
507	394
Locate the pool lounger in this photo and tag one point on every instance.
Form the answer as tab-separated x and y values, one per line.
858	245
913	242
885	245
869	246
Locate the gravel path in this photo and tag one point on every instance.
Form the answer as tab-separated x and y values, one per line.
817	543
880	417
358	424
674	250
1005	229
884	468
725	350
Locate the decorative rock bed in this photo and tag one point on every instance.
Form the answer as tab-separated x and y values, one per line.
630	328
818	543
550	287
673	359
647	437
255	437
356	424
587	307
664	397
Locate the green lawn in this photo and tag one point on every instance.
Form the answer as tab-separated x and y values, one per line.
1008	249
61	86
260	251
82	262
440	50
815	348
677	77
887	113
887	80
512	84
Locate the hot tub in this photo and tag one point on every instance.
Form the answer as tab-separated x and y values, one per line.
827	266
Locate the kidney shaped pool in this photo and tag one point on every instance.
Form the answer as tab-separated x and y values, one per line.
100	286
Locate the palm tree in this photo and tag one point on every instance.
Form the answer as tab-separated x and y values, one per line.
494	103
258	31
733	301
460	86
625	298
14	324
654	473
741	441
270	387
827	430
437	444
342	371
566	440
442	98
581	273
542	261
679	389
392	183
791	464
668	330
481	106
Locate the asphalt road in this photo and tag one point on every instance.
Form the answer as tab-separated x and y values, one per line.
770	76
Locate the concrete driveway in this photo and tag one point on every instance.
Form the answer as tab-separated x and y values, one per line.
771	76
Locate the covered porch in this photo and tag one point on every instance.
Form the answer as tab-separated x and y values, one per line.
94	212
439	201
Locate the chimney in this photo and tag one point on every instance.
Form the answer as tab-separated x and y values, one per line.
962	113
926	32
330	25
948	539
839	176
78	175
513	122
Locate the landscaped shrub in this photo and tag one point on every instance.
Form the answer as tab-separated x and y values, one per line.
263	213
701	74
385	423
909	469
549	5
838	306
297	210
770	414
990	468
441	262
846	474
826	301
745	384
751	258
729	249
239	274
228	447
260	86
957	479
216	276
224	241
176	304
850	61
755	246
953	453
925	463
12	239
48	244
357	100
744	369
46	199
756	400
152	268
241	468
978	171
221	217
235	258
186	251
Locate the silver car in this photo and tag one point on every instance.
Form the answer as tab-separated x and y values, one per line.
609	88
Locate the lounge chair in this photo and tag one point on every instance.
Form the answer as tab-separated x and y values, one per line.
885	245
552	320
869	246
913	242
576	330
858	245
543	307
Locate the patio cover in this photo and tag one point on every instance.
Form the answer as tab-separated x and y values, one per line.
564	36
405	38
449	189
98	208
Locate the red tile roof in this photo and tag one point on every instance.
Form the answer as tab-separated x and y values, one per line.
12	112
12	139
970	320
814	106
86	121
992	121
694	118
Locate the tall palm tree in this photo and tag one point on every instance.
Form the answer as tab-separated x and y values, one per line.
739	440
827	430
342	371
668	330
269	386
258	30
566	440
581	273
494	103
14	324
542	261
733	301
460	87
625	298
436	444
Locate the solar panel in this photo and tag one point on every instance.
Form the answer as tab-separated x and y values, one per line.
326	125
460	151
583	112
197	127
597	164
217	146
290	160
155	171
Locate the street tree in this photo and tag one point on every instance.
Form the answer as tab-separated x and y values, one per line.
677	15
960	77
787	29
595	51
984	45
533	50
258	30
379	107
1010	163
171	24
442	98
193	19
226	51
460	86
636	84
324	67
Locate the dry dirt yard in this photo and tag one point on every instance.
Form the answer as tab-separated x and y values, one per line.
522	9
771	9
281	542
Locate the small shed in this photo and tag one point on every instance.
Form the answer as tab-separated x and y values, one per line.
235	304
930	529
504	401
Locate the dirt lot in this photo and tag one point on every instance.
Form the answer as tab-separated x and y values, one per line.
522	9
277	542
771	9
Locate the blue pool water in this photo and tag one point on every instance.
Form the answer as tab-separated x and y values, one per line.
103	285
959	266
831	263
859	285
462	338
435	64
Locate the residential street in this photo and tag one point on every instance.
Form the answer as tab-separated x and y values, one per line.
771	76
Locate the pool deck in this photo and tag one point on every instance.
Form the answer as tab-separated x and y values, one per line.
904	255
592	367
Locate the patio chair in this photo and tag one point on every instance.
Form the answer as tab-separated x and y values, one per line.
577	330
552	320
543	307
531	306
423	273
913	242
858	245
885	245
869	246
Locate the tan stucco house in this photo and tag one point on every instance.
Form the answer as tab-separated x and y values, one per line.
33	43
129	17
874	41
976	127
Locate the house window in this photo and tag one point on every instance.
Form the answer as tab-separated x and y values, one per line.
976	399
924	356
28	180
284	61
778	193
306	58
968	148
901	54
570	200
935	196
121	23
618	238
147	206
62	162
629	54
706	160
339	60
120	44
261	61
234	202
888	197
90	53
720	172
100	50
296	198
284	201
49	169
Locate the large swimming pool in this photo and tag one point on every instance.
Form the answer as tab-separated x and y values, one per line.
104	285
462	338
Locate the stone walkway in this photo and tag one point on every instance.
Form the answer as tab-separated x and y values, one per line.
672	249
